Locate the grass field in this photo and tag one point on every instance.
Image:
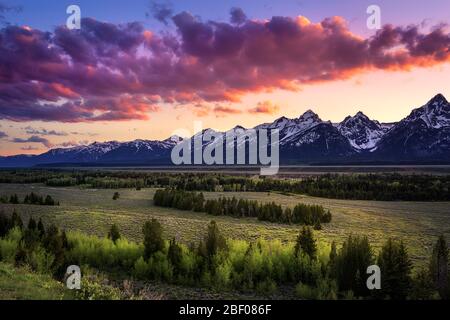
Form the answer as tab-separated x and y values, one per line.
93	211
22	284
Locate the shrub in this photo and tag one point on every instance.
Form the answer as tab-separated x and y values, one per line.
9	245
41	261
266	287
304	291
422	286
102	252
93	289
141	269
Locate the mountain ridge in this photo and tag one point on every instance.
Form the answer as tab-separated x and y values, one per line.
423	135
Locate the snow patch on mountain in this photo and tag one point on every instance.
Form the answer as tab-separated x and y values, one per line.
435	114
361	132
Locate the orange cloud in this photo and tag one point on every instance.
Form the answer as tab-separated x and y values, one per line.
265	107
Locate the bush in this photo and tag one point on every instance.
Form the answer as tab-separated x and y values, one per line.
93	289
141	269
423	287
102	252
9	245
41	261
304	291
266	287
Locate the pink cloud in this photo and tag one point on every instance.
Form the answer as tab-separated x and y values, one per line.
266	107
108	72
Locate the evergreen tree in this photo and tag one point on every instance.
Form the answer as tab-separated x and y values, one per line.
41	228
32	224
214	240
53	243
14	199
352	261
16	220
114	233
21	255
31	235
395	264
422	286
332	260
153	240
65	240
4	224
306	243
439	265
49	201
175	255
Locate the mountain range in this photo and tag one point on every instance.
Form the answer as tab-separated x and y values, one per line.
421	137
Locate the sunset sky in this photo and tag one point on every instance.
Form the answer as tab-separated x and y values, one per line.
142	69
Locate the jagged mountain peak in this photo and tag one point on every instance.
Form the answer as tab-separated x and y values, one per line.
359	118
174	139
362	132
361	115
438	99
435	114
309	115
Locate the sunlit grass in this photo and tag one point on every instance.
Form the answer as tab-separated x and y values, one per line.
22	284
418	224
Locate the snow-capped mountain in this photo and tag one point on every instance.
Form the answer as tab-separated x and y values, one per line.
290	127
361	132
422	136
435	114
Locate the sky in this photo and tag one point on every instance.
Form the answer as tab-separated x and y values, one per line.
146	70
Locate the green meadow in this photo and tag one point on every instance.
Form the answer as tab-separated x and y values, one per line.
93	211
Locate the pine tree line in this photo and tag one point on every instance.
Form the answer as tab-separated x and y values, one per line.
385	187
30	199
304	214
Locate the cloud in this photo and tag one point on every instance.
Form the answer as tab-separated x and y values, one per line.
120	72
34	139
223	110
3	135
29	148
266	107
237	16
89	134
70	144
161	11
45	132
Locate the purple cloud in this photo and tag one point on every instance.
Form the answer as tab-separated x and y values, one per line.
109	72
34	139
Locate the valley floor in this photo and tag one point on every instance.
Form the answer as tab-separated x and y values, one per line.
92	211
